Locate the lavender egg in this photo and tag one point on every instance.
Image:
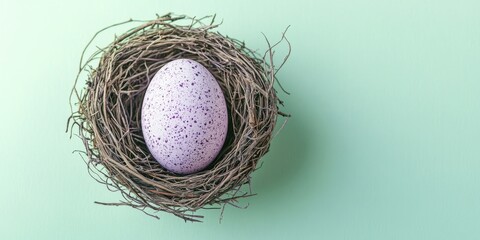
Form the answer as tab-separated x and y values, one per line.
184	117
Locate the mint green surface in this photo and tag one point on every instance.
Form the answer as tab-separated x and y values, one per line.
384	142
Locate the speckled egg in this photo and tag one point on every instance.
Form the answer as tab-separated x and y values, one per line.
184	117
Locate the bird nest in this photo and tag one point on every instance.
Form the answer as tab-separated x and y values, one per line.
106	111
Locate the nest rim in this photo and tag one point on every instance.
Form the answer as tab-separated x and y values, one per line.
109	106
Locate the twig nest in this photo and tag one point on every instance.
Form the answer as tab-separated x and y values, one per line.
108	116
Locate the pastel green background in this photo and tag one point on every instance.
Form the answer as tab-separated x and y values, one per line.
383	142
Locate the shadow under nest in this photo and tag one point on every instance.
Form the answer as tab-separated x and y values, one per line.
107	113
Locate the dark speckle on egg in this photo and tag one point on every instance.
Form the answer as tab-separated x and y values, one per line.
191	122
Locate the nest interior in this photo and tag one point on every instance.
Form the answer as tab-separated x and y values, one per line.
107	114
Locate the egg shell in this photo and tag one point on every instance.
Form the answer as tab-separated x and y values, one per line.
184	117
